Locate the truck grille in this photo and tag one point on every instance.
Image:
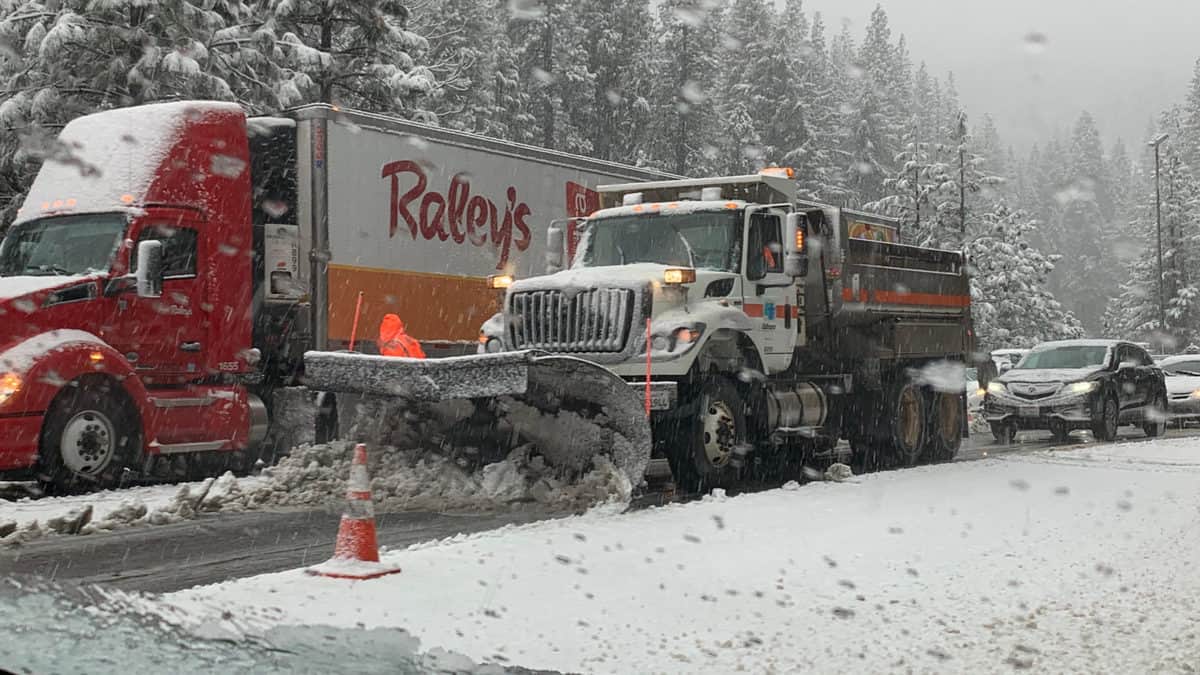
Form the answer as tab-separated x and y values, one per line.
593	321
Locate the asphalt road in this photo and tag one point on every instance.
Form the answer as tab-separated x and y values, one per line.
220	547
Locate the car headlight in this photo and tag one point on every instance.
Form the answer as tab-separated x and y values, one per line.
996	388
980	392
10	383
1082	387
1196	394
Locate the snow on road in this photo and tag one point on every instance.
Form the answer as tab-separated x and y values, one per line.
1055	561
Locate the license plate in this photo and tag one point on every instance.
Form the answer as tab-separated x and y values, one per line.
1030	411
660	399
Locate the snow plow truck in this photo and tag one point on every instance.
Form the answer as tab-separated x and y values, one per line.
738	320
173	262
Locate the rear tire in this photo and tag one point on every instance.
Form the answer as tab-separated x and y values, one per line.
88	439
908	424
1105	429
948	424
1157	425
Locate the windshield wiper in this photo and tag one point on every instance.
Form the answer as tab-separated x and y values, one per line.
690	252
48	269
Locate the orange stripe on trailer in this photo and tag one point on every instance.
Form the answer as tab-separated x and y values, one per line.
848	295
433	306
933	299
753	311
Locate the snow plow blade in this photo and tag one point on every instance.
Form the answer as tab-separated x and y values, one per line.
569	409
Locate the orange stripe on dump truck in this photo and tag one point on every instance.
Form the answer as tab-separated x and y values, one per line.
906	298
432	306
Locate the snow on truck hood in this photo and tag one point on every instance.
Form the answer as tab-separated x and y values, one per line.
16	287
634	276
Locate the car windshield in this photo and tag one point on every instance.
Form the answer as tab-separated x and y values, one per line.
1182	368
705	240
65	245
1074	356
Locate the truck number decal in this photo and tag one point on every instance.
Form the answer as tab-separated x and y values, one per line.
456	215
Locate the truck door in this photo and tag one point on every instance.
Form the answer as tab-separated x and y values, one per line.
769	295
165	335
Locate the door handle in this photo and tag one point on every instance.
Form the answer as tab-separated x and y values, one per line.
189	347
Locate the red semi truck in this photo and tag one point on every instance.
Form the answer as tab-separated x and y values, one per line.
173	262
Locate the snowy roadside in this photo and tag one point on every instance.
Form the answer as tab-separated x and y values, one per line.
314	476
1051	561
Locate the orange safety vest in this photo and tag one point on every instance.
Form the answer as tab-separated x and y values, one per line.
393	341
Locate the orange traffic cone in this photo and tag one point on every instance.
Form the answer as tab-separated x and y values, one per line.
356	552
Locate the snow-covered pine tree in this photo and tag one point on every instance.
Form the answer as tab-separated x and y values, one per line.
684	123
70	58
1010	303
473	62
759	88
874	114
358	54
818	159
553	72
617	42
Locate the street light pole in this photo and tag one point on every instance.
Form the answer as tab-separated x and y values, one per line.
1162	305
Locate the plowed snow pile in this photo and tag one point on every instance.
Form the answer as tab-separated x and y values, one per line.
405	480
314	476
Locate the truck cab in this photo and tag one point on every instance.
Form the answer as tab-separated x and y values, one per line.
124	296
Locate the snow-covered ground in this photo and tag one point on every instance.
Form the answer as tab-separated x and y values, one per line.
1068	561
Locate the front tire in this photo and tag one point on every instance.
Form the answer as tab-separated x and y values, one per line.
1004	433
1105	428
718	434
89	438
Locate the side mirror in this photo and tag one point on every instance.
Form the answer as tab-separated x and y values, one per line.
149	271
555	243
795	246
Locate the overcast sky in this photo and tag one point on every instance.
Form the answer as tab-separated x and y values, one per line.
1122	61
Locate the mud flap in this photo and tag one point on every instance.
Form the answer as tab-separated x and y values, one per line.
571	409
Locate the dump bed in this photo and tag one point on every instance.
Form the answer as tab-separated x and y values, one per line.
905	301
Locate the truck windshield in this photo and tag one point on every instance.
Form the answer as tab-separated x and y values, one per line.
707	240
65	245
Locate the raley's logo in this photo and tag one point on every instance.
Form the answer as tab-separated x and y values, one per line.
458	214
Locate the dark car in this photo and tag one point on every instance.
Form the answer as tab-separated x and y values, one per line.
1079	384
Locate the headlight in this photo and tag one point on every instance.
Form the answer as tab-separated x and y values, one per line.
1196	394
10	383
996	388
1083	387
980	392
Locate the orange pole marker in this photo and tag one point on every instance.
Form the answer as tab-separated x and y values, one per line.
648	346
357	314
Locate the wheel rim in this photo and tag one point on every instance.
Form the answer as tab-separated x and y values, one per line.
910	419
949	422
88	443
720	432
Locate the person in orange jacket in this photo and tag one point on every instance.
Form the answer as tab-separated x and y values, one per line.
393	341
